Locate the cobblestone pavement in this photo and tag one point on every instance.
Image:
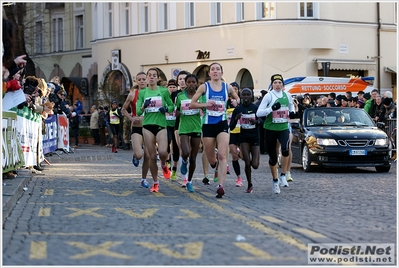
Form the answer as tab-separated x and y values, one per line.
85	210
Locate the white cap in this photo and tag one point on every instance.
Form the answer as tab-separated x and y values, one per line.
73	114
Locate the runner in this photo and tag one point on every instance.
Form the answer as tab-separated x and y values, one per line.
277	106
137	127
234	142
215	128
189	129
173	148
115	117
155	101
249	138
181	81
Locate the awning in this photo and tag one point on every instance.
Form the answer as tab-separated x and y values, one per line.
390	70
81	83
338	64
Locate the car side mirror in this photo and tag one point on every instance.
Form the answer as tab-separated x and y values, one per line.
381	125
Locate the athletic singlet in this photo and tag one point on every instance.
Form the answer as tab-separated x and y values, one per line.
214	115
133	103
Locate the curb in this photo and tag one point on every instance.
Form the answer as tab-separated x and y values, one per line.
83	158
13	190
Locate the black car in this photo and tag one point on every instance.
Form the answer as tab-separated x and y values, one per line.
339	137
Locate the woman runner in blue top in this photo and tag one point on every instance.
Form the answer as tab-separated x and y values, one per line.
215	128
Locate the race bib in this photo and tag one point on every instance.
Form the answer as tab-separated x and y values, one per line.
245	121
281	115
171	116
155	104
185	108
217	110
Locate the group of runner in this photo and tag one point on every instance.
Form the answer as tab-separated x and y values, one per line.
185	114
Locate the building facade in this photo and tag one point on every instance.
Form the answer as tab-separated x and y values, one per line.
251	40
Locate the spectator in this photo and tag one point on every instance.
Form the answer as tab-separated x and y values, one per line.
78	107
94	125
102	124
74	124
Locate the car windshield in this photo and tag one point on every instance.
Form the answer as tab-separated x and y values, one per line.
336	116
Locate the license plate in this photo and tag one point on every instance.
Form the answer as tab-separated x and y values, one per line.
358	152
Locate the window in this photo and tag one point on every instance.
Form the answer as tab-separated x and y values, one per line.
307	10
38	37
240	11
57	35
144	25
127	18
190	12
110	19
79	26
163	17
265	10
216	13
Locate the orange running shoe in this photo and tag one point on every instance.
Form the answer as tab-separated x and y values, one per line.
155	188
166	172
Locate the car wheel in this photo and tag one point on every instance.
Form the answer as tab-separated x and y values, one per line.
306	164
381	169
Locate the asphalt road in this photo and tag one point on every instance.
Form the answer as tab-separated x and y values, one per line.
94	212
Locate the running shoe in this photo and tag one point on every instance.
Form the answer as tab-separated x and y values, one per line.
220	192
183	167
173	177
283	181
250	189
215	178
228	169
205	180
276	188
166	172
190	187
239	182
135	162
184	182
113	149
155	188
144	184
288	176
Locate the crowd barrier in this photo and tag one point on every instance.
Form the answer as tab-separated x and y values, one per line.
390	129
23	141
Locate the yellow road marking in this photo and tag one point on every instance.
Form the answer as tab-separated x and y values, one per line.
189	214
82	192
258	253
38	250
191	251
125	193
102	249
80	212
255	224
271	219
49	192
146	214
309	233
44	212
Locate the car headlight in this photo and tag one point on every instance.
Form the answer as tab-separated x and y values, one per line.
326	142
381	142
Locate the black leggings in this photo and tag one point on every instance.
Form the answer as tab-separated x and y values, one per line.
175	148
272	136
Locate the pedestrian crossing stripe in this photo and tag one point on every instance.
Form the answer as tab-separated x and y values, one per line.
44	212
38	250
189	213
